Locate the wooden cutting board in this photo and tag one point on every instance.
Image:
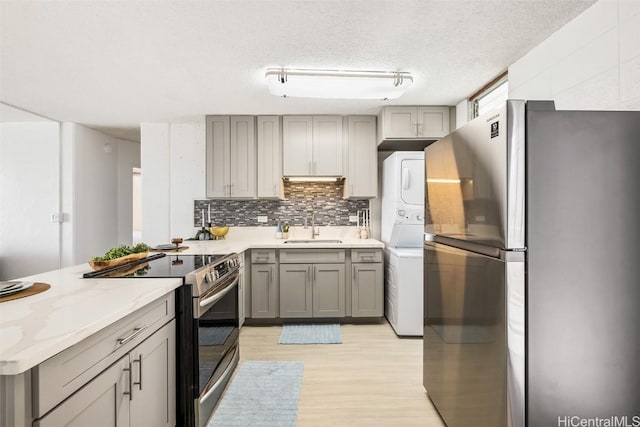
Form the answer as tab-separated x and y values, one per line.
32	290
99	265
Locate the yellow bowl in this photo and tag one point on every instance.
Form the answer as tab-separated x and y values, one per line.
219	232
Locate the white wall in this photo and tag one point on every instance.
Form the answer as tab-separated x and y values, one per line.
128	159
47	167
154	162
103	176
96	190
462	113
591	63
173	176
188	175
29	193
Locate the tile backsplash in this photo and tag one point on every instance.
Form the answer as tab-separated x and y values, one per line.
300	199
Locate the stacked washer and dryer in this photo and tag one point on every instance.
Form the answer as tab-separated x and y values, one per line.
402	225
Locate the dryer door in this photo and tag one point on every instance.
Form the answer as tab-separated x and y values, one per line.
412	181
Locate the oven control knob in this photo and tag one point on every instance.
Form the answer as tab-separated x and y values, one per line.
216	274
208	277
401	212
419	217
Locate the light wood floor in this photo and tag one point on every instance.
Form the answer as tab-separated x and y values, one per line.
372	379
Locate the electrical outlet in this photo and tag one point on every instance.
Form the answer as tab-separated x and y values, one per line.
56	217
353	218
263	218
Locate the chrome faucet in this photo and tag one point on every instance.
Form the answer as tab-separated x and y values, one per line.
314	230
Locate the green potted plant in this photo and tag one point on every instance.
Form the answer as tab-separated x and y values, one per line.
285	230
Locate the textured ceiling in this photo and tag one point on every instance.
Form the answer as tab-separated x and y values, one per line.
114	64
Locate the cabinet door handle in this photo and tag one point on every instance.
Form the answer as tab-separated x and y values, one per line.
419	128
132	335
314	273
270	275
354	272
139	382
309	273
130	392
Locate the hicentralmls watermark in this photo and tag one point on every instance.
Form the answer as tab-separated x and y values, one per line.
612	421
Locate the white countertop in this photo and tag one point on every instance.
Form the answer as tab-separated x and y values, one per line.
239	239
35	328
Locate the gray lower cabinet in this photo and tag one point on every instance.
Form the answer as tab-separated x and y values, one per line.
366	290
328	290
263	291
296	296
153	380
101	403
137	390
312	290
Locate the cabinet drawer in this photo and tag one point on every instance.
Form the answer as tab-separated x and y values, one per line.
58	377
313	256
366	255
263	256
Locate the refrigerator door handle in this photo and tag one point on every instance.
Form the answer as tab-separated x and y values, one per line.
405	178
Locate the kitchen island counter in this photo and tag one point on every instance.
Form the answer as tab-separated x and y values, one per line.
34	328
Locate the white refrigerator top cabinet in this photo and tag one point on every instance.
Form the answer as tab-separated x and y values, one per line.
410	126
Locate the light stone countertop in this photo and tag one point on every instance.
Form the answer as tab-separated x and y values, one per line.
35	328
240	239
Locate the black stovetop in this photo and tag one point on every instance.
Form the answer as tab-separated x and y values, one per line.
157	266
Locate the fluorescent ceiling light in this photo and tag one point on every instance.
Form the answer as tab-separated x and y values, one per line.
313	178
337	84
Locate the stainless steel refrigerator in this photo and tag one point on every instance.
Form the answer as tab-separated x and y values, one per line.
532	268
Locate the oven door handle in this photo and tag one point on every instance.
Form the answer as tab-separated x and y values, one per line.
219	294
210	389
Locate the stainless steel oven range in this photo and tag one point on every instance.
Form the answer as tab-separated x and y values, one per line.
207	325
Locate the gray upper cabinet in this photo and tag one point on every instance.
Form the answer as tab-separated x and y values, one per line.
297	145
413	122
312	145
269	156
327	146
231	157
362	170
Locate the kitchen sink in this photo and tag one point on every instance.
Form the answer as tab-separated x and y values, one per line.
313	241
